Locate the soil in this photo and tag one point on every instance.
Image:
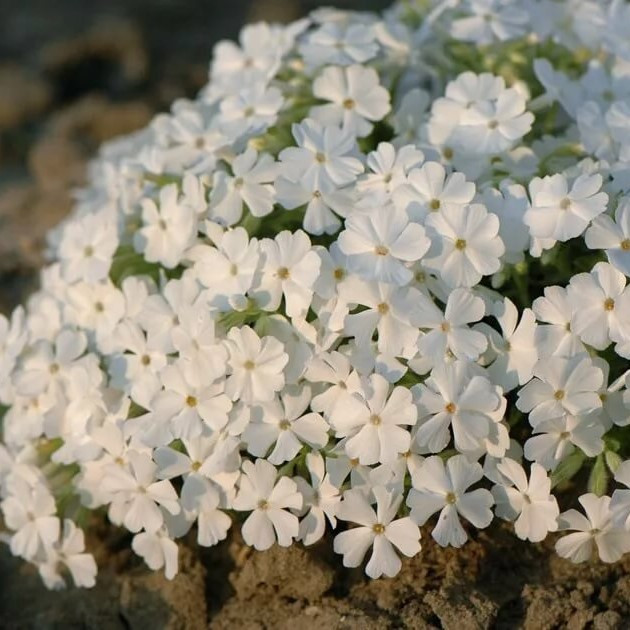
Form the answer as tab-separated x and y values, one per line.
70	79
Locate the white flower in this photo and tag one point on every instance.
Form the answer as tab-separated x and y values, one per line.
321	500
613	236
408	119
510	203
250	185
159	312
528	503
256	59
335	370
356	97
137	494
290	269
136	368
555	336
378	529
158	550
95	307
210	465
461	92
373	425
452	398
390	311
256	366
87	248
322	204
321	157
620	502
561	385
283	424
489	21
212	523
556	438
493	126
448	332
167	229
29	512
48	366
561	213
69	553
429	189
515	350
227	271
478	115
389	168
188	408
378	245
252	109
595	531
202	357
336	43
439	488
267	499
468	244
600	303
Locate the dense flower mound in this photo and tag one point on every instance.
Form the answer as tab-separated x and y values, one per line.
373	277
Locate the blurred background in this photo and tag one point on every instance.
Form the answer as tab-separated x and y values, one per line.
74	73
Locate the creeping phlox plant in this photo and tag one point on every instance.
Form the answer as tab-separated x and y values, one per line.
373	277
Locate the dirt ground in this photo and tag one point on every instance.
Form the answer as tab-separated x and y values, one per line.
68	81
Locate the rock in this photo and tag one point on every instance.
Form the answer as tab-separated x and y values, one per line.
23	96
94	119
57	163
109	57
287	572
25	218
548	608
149	600
609	620
461	606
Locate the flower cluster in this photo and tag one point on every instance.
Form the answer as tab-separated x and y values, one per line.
373	276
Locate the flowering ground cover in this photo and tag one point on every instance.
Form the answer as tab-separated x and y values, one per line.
372	278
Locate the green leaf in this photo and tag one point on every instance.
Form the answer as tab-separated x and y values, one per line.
568	468
128	262
613	461
598	479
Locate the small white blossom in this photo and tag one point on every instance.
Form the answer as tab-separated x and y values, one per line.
373	425
268	501
468	244
69	552
376	529
454	400
355	95
321	500
561	386
168	228
256	366
439	488
613	236
379	244
593	532
528	503
559	212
